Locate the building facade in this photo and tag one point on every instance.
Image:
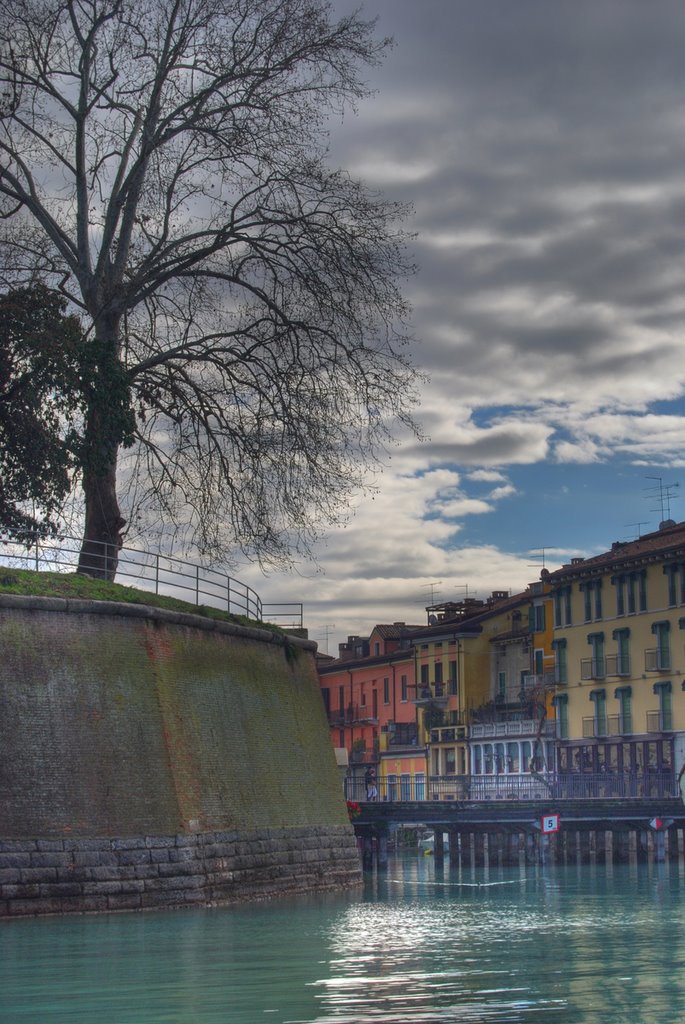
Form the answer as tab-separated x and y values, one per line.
619	630
368	693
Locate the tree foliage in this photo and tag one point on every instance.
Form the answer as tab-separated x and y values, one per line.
164	165
40	393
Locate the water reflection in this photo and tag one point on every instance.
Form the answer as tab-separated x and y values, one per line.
421	944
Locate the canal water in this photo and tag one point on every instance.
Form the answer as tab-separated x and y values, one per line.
418	945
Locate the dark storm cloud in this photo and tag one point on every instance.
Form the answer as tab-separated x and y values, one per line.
541	144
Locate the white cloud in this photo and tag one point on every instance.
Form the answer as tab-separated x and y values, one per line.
542	150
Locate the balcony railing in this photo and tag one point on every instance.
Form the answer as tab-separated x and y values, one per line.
593	668
433	693
657	660
403	734
527	727
659	721
619	725
618	665
541	679
350	715
448	734
155	572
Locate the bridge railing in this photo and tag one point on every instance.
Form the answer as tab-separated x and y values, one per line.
534	786
156	572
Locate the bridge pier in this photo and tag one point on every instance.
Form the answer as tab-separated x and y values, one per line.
673	843
498	833
620	847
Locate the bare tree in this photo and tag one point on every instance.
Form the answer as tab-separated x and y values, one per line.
164	165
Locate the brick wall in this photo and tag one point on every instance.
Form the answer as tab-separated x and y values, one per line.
121	724
57	876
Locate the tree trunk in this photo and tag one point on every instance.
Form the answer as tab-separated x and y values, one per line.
102	539
109	425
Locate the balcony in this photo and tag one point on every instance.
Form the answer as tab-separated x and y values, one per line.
525	727
592	668
448	734
659	721
431	694
541	680
657	660
403	734
593	728
618	725
353	714
618	665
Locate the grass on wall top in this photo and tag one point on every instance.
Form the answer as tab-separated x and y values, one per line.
75	585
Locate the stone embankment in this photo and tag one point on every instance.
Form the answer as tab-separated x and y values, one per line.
150	758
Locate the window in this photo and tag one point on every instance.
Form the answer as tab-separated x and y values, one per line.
501	685
663	691
386	690
561	704
326	694
659	659
362	699
526	756
642	583
536	618
405	787
376	648
450	761
597	664
539	661
592	599
622	638
499	758
676	583
438	674
599	699
392	787
424	677
625	713
419	786
631	592
560	661
620	603
341	698
452	682
562	606
404	688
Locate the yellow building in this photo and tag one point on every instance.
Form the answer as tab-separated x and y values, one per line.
620	660
484	675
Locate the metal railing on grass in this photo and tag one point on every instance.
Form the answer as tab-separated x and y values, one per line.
158	573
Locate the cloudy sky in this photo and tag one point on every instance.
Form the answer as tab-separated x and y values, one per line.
541	144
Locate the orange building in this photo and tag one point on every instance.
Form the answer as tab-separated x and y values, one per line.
368	692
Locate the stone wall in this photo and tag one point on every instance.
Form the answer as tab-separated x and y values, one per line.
153	758
57	876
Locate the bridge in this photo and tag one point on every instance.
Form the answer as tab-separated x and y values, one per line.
557	828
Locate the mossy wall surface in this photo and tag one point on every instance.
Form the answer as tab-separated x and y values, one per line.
124	721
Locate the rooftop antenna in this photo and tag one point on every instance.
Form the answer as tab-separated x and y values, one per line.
326	630
637	525
664	495
432	587
541	556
